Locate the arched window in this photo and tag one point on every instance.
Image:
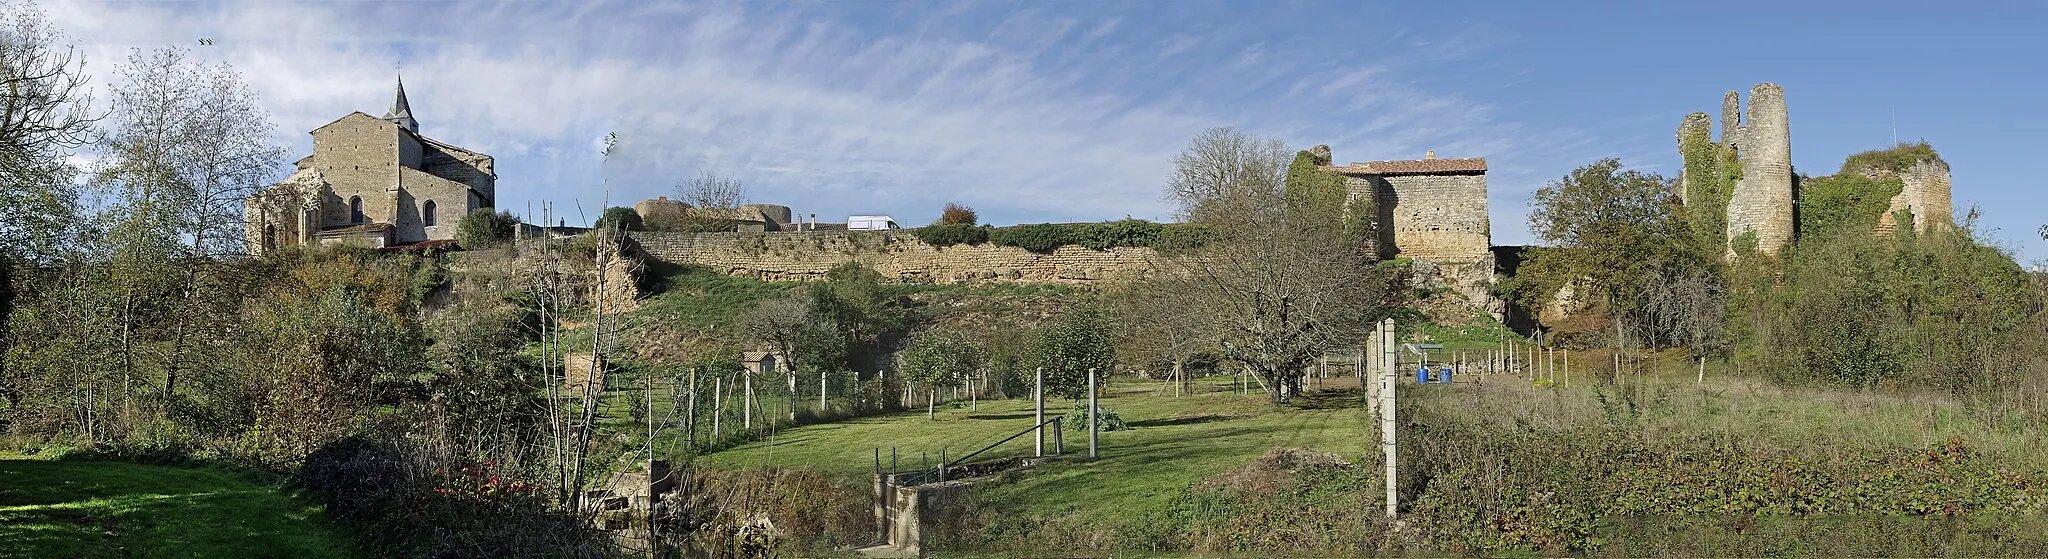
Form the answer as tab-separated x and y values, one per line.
269	238
427	213
355	209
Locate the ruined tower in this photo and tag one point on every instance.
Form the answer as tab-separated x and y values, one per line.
1762	200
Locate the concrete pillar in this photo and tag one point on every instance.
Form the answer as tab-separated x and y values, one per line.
1038	393
1094	425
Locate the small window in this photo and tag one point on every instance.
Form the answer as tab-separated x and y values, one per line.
427	213
355	209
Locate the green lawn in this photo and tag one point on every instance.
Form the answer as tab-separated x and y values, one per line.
1175	442
54	508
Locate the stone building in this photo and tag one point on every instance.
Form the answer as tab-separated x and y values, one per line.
1432	210
1762	201
1925	194
1766	196
372	181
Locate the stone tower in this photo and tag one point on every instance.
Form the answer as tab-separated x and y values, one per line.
1762	201
401	111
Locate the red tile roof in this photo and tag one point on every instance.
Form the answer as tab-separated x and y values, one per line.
1413	167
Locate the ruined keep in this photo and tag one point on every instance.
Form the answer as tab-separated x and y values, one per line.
1745	183
372	181
1755	152
1431	210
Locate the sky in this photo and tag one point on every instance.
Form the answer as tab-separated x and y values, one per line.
1072	111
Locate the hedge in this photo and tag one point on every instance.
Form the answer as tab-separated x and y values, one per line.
1044	238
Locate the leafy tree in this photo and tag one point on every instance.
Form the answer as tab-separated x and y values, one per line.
188	145
1083	338
938	358
1613	231
618	218
853	299
484	228
956	214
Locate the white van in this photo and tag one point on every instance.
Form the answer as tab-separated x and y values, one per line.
871	223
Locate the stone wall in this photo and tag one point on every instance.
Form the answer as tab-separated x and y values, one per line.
1926	194
1762	200
358	156
792	255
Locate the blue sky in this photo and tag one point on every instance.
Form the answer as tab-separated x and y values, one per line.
1072	111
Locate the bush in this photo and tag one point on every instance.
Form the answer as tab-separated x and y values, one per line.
1040	238
405	502
620	219
1046	237
1077	420
1123	233
484	228
956	214
945	235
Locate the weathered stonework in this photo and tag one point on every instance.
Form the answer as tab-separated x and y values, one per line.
400	180
781	256
1434	210
1925	195
1763	198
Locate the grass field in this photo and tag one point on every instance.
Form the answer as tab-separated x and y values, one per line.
1174	442
61	508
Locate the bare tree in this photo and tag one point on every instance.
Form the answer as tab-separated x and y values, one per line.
709	190
1285	285
45	114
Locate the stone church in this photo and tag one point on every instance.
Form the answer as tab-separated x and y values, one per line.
375	182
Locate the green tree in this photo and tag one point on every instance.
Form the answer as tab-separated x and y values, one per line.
188	145
1614	232
1083	338
619	218
938	359
484	228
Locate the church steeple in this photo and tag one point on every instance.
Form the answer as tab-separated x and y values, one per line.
401	112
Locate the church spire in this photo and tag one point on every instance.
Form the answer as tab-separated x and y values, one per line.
401	112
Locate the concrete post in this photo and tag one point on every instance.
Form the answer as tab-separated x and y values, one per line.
717	407
1387	435
1093	424
821	392
1038	393
747	404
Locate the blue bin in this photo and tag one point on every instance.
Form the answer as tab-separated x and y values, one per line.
1422	375
1445	375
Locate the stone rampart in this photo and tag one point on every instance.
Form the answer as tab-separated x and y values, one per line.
808	255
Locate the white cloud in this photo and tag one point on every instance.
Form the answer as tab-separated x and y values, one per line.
1028	116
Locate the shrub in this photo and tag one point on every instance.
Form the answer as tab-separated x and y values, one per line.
483	228
1045	237
407	502
1040	238
956	214
1123	233
620	219
949	234
1179	238
1077	420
